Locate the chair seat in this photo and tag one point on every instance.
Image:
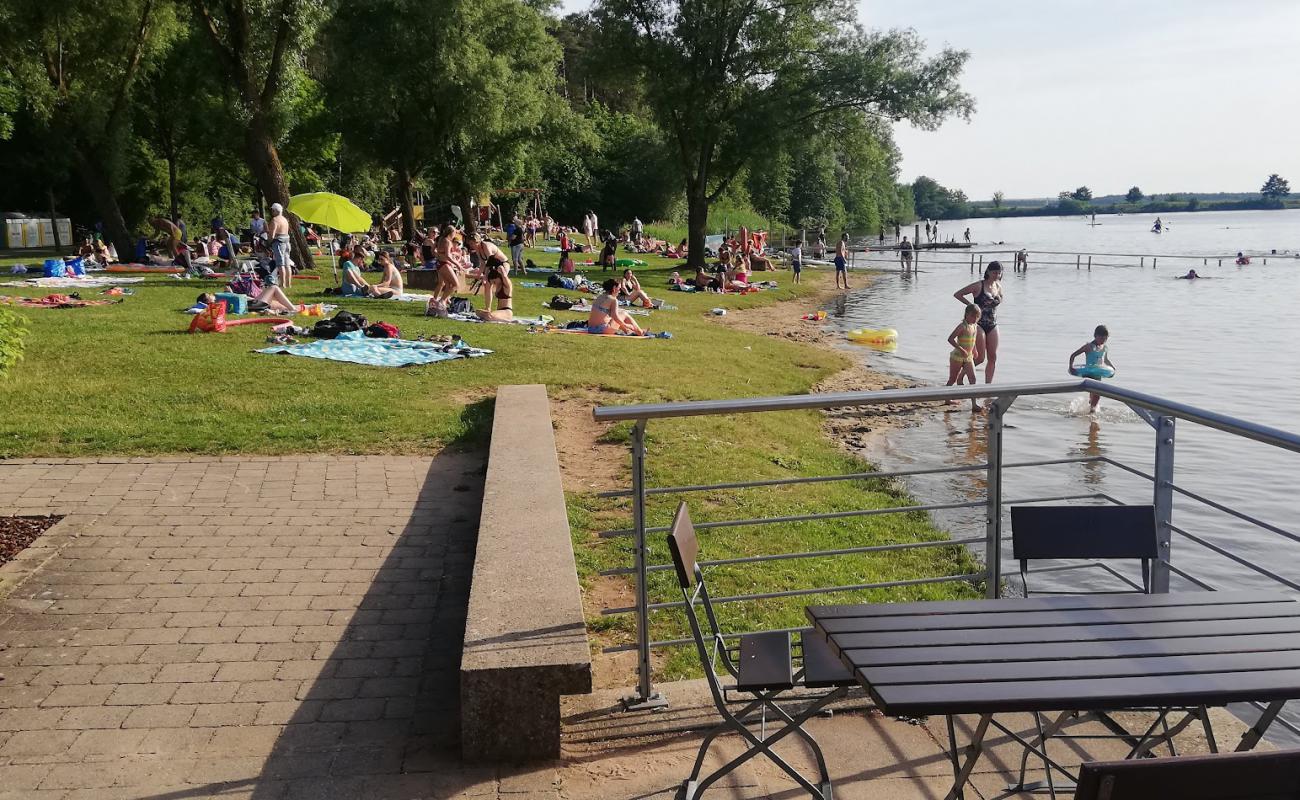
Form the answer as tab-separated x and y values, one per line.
764	662
822	669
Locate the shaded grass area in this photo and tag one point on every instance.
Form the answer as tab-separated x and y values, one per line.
127	379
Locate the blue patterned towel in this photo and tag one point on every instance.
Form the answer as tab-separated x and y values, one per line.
377	352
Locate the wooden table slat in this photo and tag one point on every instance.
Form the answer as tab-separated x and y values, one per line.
1064	633
1057	602
1212	689
1073	650
1046	618
1102	668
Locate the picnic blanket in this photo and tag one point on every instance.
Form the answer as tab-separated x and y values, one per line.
354	348
71	283
55	301
584	308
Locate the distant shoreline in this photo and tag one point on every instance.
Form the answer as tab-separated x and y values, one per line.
1074	208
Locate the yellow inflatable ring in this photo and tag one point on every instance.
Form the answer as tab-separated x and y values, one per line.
877	336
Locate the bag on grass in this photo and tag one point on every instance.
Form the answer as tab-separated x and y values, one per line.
383	330
210	320
561	303
347	321
460	305
326	329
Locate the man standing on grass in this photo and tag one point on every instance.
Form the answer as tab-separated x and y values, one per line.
636	230
279	230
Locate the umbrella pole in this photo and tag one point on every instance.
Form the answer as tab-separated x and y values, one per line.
334	266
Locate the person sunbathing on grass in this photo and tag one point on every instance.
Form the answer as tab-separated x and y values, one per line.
606	317
391	284
629	289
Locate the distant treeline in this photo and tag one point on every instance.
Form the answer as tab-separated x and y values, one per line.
1071	207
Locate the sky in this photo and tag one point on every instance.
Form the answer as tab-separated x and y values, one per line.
1173	96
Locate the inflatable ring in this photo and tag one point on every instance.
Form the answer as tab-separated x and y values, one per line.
876	336
1096	371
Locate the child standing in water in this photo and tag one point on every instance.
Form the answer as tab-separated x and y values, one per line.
1096	364
967	341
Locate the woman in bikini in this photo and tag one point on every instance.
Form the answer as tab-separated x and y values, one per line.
606	317
391	285
449	259
986	295
497	285
630	289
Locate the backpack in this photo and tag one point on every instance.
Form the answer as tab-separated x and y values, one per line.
326	329
553	282
561	303
460	305
383	330
347	321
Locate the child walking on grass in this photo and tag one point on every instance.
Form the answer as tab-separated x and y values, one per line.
1096	362
967	341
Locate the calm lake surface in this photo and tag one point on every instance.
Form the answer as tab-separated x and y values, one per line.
1229	344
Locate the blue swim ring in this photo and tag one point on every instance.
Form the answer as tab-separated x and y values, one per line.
1097	371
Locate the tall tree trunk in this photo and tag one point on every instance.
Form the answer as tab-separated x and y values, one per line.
697	224
408	207
264	162
54	222
110	213
172	193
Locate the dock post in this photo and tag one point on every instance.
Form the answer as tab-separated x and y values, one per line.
1153	262
1220	262
972	263
1077	259
1090	263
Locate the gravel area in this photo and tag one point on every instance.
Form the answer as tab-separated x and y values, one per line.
18	532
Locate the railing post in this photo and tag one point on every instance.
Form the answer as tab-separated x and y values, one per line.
645	697
1163	501
993	508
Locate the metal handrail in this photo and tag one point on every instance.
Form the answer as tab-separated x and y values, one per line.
1159	412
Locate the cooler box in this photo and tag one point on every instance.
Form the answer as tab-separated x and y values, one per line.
235	303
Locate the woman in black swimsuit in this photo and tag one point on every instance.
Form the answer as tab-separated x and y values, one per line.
497	285
986	295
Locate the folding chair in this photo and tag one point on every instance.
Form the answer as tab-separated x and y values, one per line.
1231	776
764	668
1085	532
1109	532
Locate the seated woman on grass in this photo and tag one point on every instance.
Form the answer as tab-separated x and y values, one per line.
353	284
629	289
606	317
705	281
498	287
390	285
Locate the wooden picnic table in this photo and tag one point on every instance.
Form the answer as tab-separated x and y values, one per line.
1068	654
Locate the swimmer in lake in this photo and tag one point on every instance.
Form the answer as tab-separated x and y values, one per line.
1190	276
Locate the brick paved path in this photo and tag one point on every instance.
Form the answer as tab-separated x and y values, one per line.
240	627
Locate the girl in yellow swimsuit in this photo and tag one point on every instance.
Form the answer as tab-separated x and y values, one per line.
967	341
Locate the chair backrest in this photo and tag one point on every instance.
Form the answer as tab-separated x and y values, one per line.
1084	532
1273	775
684	547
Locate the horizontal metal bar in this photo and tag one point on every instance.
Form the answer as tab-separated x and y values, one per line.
846	551
866	512
674	642
736	523
1250	430
1233	557
798	402
853	476
1127	468
1196	581
740	598
1238	514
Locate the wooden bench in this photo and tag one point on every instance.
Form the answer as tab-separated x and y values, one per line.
525	636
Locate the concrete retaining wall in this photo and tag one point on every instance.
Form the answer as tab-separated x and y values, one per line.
525	637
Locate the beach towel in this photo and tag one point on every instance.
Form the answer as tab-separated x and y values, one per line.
55	301
585	332
584	308
412	298
353	347
542	320
72	283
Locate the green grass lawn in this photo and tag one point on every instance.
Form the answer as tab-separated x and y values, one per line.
127	380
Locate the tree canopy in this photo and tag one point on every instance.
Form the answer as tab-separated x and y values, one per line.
1275	188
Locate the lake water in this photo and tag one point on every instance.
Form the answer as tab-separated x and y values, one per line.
1228	344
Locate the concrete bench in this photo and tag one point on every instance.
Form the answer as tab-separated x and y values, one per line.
525	637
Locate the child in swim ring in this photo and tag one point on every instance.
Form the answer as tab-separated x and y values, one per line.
1097	362
967	340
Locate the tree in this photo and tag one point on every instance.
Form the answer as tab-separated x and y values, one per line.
1134	195
1275	188
77	65
1083	194
259	47
998	196
727	80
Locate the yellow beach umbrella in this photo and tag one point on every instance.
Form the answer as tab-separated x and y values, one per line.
331	210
